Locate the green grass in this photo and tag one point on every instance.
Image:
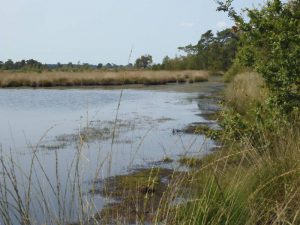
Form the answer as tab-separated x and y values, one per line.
190	162
253	179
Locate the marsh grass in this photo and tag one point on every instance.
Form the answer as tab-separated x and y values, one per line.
246	89
241	184
246	182
20	206
98	78
190	162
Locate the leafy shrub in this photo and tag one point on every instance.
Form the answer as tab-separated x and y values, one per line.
270	44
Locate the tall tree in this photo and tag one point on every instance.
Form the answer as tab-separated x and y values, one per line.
144	61
9	65
99	66
213	52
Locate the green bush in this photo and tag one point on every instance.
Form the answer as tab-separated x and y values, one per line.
270	44
234	70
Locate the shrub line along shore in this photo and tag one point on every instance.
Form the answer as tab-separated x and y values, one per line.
252	179
99	78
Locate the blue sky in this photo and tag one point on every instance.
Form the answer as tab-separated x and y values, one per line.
104	31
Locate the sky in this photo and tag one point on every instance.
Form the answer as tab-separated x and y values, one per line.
103	31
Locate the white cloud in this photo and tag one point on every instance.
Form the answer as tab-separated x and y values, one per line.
222	25
186	24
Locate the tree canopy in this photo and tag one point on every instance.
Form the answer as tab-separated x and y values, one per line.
270	44
23	64
212	52
144	61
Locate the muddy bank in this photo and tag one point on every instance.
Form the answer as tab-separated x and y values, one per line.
137	196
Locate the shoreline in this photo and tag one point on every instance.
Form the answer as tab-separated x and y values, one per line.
152	184
99	78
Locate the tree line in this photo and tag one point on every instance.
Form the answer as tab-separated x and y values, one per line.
213	52
20	65
34	65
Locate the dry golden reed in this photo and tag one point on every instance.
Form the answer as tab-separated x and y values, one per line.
90	78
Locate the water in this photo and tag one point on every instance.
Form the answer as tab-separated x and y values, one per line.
50	122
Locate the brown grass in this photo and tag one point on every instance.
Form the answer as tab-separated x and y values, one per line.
90	78
245	89
249	181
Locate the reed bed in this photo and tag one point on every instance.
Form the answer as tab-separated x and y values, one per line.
98	78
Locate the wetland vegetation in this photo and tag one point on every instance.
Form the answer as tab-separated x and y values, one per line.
98	78
244	170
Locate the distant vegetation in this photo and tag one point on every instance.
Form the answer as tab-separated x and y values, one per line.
22	65
145	61
212	52
99	78
33	65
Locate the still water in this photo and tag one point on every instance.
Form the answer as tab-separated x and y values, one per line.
111	130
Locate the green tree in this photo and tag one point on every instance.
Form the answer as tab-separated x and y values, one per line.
108	66
144	61
270	45
212	52
9	65
129	65
86	66
99	66
33	64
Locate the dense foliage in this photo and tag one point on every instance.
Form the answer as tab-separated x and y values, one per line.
212	52
144	61
34	65
270	44
21	65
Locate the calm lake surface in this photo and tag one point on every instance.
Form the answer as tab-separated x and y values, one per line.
60	125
